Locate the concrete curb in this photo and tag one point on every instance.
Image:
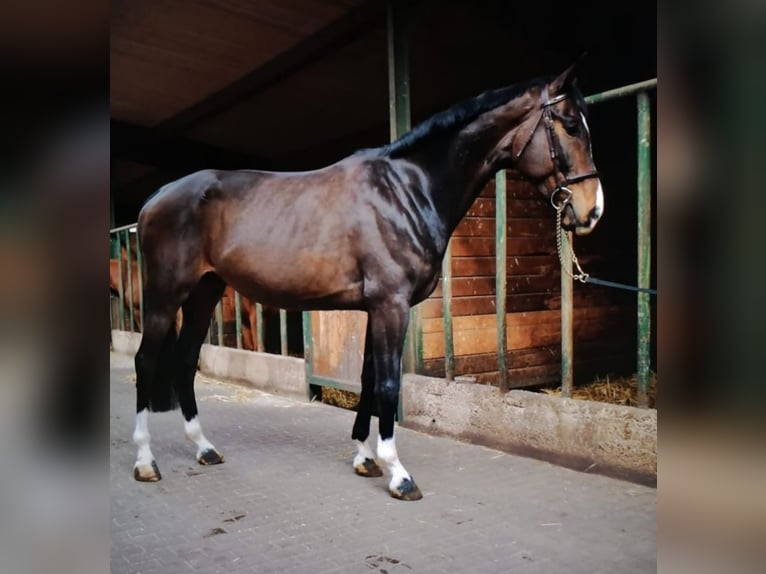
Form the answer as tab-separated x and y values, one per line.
275	374
608	439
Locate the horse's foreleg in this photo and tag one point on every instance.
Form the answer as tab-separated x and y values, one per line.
364	461
389	324
196	320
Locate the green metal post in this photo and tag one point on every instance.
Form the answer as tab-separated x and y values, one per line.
399	124
644	245
120	292
139	265
308	352
501	276
238	318
131	300
449	348
567	304
259	320
398	69
283	332
219	322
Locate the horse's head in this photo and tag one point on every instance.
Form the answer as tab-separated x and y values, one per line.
551	147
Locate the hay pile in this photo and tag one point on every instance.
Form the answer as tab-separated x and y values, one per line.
339	398
618	391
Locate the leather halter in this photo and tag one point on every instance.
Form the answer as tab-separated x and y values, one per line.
562	181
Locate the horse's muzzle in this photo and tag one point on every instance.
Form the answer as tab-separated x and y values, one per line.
583	223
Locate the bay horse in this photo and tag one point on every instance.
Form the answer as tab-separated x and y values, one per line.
366	233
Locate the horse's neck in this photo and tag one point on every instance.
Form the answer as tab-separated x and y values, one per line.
462	166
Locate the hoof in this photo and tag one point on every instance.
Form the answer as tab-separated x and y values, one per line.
407	490
147	473
368	468
210	456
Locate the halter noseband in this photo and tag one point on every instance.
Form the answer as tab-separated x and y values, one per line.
561	191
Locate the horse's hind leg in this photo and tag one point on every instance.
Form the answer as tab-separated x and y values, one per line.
196	320
153	385
364	461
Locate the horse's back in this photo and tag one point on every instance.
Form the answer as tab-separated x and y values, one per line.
179	195
290	239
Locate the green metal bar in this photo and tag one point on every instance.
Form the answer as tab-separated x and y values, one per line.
567	304
308	352
219	322
628	90
139	265
283	332
259	320
449	346
399	124
501	276
131	299
238	318
416	328
120	293
644	245
122	228
114	246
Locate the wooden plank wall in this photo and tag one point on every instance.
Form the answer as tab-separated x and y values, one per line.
339	344
604	328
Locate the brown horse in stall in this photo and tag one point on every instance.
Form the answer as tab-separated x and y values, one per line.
131	306
248	314
367	233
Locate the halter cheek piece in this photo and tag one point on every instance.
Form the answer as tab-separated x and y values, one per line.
561	194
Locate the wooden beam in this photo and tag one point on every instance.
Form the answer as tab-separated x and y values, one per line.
355	23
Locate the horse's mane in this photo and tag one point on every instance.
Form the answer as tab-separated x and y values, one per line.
458	115
466	111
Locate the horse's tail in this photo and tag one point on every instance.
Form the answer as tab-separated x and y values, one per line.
163	395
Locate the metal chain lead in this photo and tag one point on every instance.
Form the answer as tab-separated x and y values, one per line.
581	276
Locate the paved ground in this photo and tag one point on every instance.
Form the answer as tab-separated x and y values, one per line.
287	501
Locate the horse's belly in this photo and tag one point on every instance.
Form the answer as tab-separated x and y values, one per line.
297	286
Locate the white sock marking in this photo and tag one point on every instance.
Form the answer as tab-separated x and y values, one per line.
193	432
390	459
141	438
363	452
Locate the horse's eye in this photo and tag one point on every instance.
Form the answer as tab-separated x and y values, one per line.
572	126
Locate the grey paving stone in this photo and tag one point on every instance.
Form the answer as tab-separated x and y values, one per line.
287	501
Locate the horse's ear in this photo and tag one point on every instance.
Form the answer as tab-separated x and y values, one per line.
564	79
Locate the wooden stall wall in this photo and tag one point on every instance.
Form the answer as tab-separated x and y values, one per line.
604	321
